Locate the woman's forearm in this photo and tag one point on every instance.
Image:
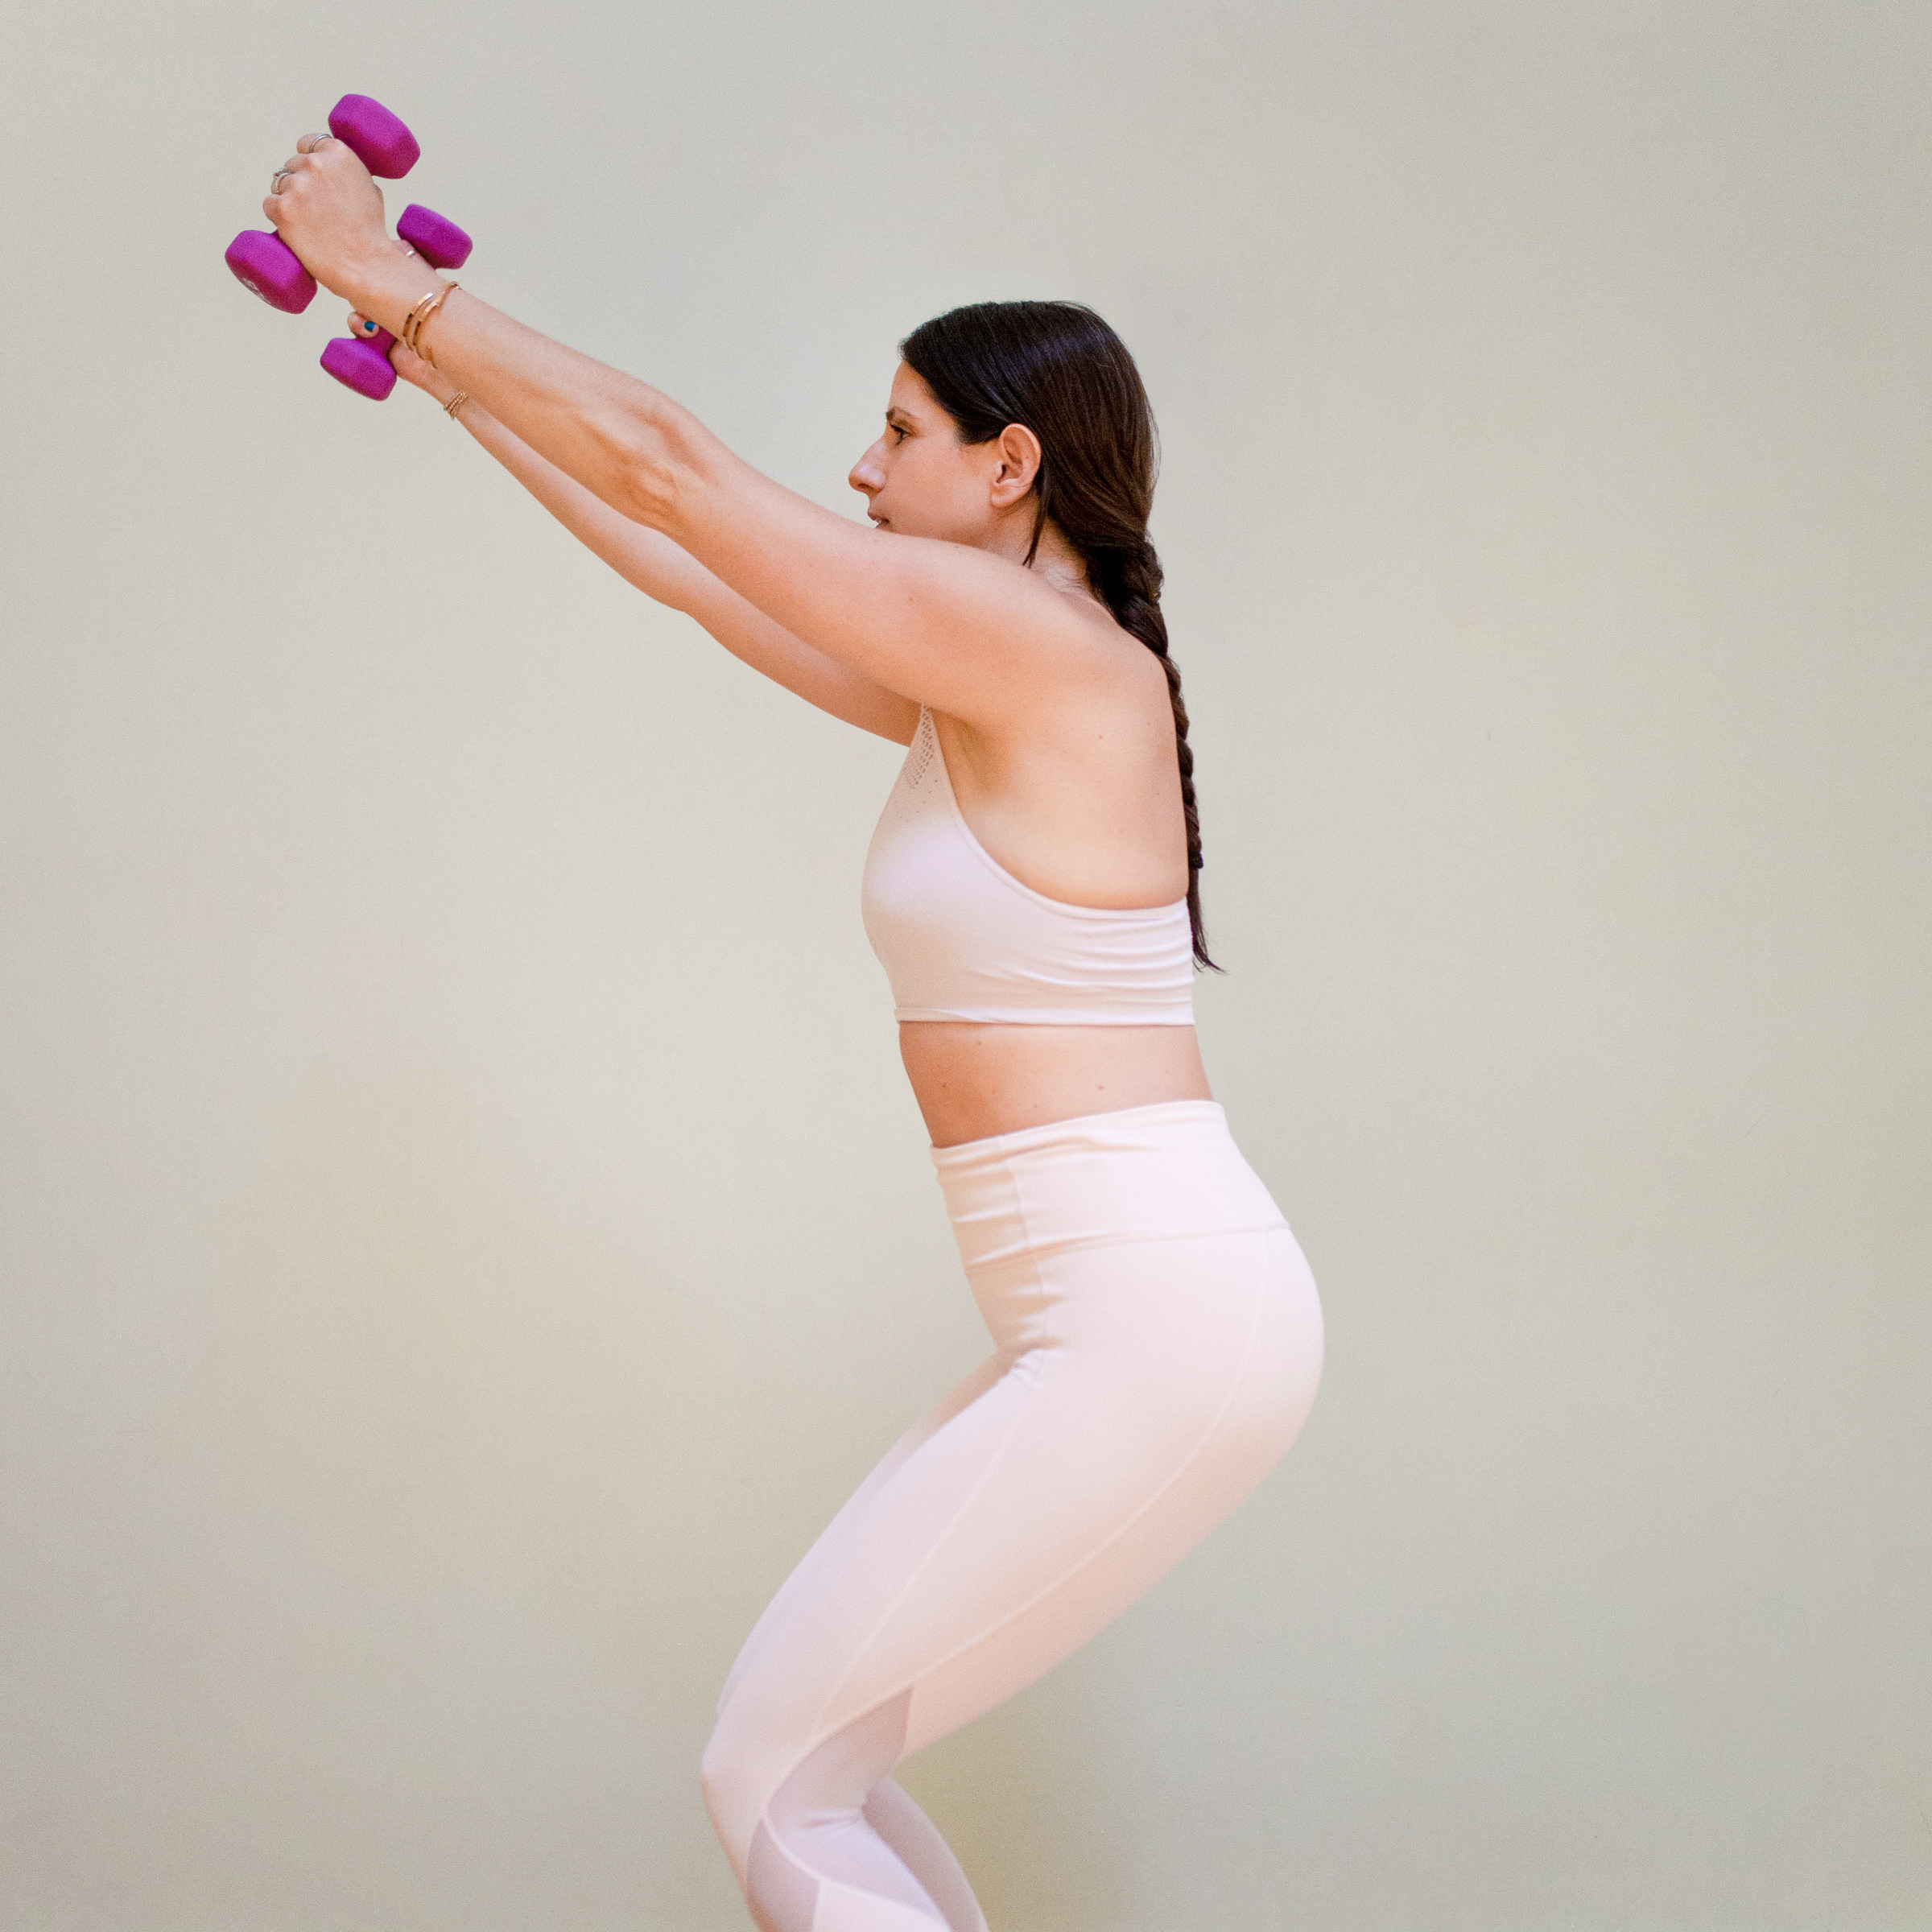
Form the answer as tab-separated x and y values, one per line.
626	442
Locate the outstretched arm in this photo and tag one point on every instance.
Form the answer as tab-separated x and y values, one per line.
971	634
656	565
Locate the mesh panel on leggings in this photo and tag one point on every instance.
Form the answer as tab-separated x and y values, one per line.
814	1838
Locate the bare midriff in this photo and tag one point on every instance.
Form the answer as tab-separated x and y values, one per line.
971	1080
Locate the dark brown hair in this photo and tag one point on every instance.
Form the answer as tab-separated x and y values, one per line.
1059	370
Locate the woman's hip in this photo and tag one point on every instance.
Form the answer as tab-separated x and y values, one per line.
1157	1199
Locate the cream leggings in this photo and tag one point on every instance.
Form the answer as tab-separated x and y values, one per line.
1157	1339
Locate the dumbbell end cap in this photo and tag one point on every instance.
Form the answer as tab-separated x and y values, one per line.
435	237
360	365
265	265
383	145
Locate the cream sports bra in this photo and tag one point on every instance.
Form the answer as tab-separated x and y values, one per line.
961	939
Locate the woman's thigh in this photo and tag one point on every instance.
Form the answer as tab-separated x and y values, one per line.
1024	1514
828	1550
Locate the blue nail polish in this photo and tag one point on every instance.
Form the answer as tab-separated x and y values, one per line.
369	327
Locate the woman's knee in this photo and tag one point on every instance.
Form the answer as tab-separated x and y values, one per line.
728	1783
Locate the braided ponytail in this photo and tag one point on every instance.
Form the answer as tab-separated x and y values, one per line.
1059	369
1129	584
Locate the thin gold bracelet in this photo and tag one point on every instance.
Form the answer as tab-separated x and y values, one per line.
455	403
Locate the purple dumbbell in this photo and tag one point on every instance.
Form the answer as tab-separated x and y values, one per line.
266	266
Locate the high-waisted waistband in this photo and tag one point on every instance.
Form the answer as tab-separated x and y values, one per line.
1140	1174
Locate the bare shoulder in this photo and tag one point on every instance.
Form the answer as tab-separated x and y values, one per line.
1110	704
1088	755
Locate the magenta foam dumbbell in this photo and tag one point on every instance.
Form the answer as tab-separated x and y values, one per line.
265	264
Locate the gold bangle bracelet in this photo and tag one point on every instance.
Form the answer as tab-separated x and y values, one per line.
455	403
406	334
434	301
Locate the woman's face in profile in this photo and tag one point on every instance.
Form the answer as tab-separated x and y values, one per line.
920	480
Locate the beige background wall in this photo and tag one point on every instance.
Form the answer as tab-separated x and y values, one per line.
463	1226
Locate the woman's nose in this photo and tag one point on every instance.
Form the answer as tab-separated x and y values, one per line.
866	474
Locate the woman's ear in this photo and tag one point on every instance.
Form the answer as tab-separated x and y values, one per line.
1019	451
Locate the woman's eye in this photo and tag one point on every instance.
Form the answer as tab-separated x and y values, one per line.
898	433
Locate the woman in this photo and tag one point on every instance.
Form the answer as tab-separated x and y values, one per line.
1033	893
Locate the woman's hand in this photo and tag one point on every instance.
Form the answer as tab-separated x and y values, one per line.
326	206
407	364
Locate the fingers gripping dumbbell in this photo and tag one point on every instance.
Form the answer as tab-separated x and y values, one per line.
266	266
362	361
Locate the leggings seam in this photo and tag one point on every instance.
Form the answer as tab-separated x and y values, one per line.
785	1851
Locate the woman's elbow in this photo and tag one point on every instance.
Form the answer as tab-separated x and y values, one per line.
649	495
653	454
645	482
